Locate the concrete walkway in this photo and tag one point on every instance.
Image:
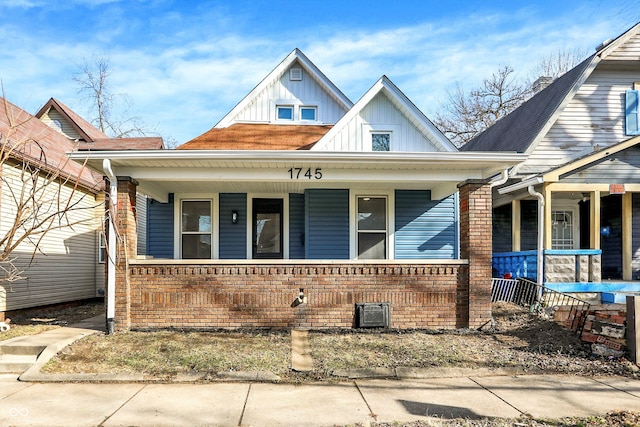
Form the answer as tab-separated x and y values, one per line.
122	401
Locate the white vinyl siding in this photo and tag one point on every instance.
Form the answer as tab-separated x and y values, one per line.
378	114
66	267
67	129
629	51
287	92
593	119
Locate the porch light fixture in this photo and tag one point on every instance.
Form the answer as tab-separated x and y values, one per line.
234	216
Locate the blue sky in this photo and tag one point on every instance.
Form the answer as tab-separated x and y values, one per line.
184	64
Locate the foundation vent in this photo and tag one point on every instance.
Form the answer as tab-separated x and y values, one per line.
372	315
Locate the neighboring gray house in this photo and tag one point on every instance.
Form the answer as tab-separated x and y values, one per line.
576	199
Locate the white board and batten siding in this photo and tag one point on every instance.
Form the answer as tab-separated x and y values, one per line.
284	91
592	120
66	266
380	115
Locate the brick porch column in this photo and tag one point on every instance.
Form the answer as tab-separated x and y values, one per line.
476	246
126	247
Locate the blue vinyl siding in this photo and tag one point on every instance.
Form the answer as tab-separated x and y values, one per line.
233	237
425	228
160	228
327	225
296	226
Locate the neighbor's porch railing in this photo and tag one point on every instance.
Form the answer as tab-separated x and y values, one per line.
561	267
542	301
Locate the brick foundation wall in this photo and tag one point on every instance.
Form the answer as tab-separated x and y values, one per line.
244	295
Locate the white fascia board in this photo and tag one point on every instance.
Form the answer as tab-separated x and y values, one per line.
621	39
132	158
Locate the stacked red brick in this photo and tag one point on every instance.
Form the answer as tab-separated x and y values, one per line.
605	329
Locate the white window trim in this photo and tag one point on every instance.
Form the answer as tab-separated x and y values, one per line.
296	104
293	112
392	130
102	245
285	221
178	198
353	219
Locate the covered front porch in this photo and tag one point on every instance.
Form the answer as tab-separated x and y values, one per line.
578	224
408	235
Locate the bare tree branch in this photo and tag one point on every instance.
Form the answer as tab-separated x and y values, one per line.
113	112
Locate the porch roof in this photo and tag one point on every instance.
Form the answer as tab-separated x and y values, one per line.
160	172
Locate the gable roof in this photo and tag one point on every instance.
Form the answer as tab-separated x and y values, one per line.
37	143
400	100
88	132
244	136
518	130
524	127
295	56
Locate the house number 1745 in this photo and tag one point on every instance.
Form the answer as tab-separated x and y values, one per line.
301	173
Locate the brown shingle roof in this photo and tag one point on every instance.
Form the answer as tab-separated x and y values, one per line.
37	143
242	136
83	127
134	143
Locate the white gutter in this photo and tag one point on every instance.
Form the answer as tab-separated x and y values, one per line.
521	185
111	246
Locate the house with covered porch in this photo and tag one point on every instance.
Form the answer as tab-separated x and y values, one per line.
568	216
302	209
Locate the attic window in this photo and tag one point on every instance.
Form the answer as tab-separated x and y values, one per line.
295	74
308	113
284	112
56	124
380	141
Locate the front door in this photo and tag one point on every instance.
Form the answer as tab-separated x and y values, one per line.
267	228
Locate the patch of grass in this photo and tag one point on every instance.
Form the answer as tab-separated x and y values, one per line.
21	330
36	320
167	353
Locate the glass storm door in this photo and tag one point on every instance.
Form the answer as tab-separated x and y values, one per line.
267	228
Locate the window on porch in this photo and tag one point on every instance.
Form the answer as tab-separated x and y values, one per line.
372	228
196	229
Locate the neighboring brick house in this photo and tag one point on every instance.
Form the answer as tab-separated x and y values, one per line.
572	208
297	207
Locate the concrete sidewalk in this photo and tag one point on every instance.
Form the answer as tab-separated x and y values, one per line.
264	404
126	401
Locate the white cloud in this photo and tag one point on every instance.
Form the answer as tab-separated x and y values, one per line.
187	74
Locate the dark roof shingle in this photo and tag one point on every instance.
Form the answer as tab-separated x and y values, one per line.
519	129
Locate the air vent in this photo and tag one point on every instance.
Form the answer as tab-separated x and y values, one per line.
372	315
295	74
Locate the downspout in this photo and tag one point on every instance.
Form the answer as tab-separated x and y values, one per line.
111	246
540	198
504	178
